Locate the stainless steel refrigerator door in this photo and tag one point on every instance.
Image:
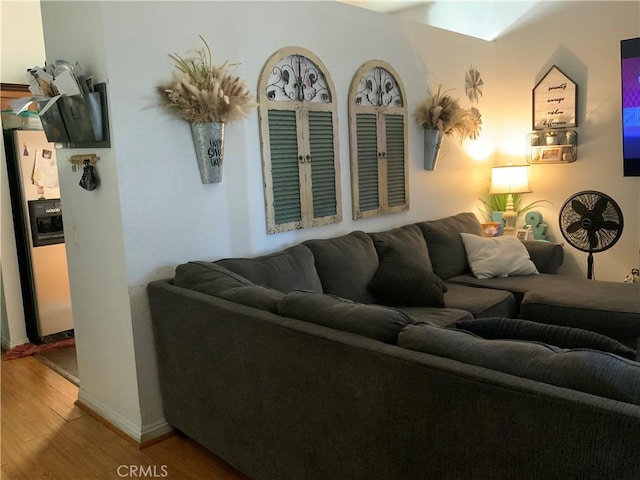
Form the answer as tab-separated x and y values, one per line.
48	263
53	297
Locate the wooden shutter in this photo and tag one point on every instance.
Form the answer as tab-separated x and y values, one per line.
396	184
323	174
283	144
378	134
298	129
367	154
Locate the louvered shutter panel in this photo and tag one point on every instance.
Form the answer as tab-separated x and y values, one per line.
323	173
367	147
284	166
395	160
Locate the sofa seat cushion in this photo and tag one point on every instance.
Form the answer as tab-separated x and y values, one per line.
518	285
286	270
563	337
213	279
346	265
440	317
590	371
497	257
610	308
480	302
446	250
373	321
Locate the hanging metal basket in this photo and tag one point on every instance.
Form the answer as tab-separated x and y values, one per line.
208	140
432	141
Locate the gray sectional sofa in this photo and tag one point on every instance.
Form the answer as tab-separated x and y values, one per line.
382	356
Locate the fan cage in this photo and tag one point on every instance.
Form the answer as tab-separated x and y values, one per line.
579	238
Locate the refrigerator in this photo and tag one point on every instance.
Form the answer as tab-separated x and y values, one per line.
39	229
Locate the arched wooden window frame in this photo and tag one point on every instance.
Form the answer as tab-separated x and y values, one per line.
378	147
303	127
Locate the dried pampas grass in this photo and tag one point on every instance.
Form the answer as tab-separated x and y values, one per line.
439	111
205	93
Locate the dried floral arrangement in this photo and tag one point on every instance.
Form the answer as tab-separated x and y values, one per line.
203	92
440	111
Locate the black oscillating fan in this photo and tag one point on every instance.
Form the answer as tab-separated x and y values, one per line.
591	222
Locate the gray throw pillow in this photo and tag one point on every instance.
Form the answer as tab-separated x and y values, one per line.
407	240
563	337
285	271
212	279
373	321
402	280
346	265
446	250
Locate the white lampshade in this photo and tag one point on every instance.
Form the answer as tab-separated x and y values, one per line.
511	179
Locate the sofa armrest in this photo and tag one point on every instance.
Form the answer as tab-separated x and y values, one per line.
547	256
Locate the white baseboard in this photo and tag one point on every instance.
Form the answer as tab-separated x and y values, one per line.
155	430
139	433
8	345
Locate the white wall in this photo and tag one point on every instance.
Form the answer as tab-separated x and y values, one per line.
21	39
583	40
95	239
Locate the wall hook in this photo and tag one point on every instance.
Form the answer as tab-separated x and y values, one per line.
77	160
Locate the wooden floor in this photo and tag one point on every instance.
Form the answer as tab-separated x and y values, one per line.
45	436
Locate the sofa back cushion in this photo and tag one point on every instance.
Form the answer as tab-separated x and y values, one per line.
213	279
285	271
446	250
373	321
346	265
595	372
546	256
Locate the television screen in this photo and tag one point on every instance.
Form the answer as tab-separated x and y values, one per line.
630	74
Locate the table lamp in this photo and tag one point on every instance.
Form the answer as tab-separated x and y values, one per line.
510	179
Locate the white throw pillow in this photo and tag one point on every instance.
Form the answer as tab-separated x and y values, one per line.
497	257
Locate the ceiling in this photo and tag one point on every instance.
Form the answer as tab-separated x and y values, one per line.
487	20
384	6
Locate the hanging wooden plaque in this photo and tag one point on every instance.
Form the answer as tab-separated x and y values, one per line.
555	100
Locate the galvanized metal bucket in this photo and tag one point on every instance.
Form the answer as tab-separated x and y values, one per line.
208	140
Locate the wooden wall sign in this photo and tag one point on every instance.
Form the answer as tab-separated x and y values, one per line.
555	100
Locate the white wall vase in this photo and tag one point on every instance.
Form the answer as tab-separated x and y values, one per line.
432	141
208	140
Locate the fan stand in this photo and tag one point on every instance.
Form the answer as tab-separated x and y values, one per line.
590	266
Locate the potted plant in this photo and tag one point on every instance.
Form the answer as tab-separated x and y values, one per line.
207	96
440	114
497	202
551	137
